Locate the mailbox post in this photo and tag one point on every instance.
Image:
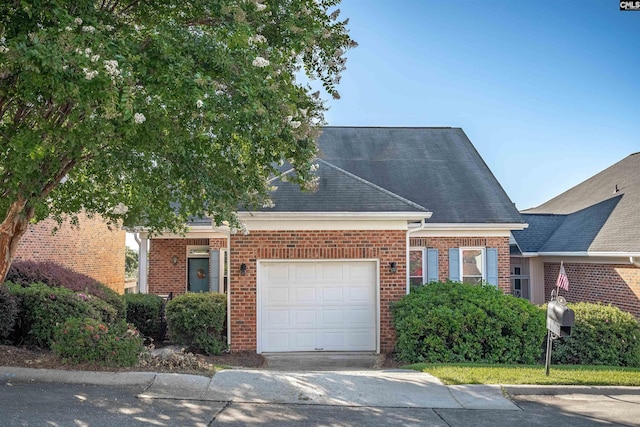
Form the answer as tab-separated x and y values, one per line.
560	320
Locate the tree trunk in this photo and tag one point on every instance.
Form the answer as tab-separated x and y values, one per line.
12	229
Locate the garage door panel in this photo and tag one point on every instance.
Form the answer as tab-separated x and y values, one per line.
305	295
359	318
359	272
305	319
304	341
304	272
328	306
360	340
332	294
360	294
277	341
331	271
278	295
278	272
332	318
277	318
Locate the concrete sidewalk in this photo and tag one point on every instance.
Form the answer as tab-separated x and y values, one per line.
370	388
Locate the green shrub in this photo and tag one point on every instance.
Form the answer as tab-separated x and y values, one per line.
48	272
198	319
42	308
87	340
145	312
8	312
602	335
456	322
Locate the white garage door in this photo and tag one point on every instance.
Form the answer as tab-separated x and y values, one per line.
317	306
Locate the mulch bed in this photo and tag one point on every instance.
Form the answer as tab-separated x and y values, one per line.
26	357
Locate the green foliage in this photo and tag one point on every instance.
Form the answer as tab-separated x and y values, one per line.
8	312
456	322
602	335
145	312
87	340
130	262
52	274
198	319
150	113
43	308
468	373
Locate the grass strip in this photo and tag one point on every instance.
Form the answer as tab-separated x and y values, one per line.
452	374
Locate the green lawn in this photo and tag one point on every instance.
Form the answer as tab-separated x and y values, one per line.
530	374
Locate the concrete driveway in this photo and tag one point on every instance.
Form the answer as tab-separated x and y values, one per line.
382	388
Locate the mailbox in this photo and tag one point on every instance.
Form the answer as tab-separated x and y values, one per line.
560	319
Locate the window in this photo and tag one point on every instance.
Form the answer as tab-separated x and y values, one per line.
473	265
416	267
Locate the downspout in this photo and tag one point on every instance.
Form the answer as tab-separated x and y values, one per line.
634	260
228	288
407	260
142	263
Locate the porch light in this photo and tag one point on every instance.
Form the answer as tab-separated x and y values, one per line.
174	260
243	269
393	267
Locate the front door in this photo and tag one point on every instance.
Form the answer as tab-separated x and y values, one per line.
198	275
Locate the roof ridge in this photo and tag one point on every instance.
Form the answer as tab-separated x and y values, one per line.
372	185
389	127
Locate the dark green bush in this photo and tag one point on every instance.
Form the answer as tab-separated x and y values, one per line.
87	340
145	312
8	312
27	272
602	335
42	308
455	322
198	319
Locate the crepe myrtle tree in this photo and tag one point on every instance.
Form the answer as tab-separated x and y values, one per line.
149	112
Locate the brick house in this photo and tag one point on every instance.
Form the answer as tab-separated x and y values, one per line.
318	271
593	228
90	248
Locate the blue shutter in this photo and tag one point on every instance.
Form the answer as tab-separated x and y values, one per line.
214	266
454	264
492	266
432	265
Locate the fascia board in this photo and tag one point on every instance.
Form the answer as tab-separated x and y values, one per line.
335	216
476	226
589	254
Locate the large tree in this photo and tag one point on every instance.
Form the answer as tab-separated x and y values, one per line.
150	111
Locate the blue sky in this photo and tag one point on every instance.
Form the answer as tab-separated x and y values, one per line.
548	91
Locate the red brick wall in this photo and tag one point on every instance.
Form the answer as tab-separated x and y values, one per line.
443	244
91	248
164	276
387	246
614	284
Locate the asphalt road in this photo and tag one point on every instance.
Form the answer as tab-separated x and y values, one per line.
44	404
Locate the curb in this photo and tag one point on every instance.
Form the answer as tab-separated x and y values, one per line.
10	374
554	390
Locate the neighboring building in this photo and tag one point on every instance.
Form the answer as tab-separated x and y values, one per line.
319	271
90	248
594	229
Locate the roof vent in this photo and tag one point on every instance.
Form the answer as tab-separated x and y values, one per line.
616	189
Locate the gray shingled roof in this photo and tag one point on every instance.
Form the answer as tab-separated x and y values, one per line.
437	168
541	228
379	169
600	214
338	191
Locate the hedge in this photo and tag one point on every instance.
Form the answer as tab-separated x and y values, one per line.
455	322
197	320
